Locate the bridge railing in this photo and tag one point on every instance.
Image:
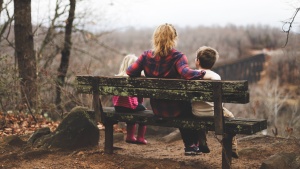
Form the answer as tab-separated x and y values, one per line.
242	69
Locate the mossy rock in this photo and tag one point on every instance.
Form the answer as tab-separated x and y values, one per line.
37	134
78	129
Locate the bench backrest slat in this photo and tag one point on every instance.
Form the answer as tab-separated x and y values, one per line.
162	83
162	88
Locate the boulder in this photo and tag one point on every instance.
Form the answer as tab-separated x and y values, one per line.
282	160
78	129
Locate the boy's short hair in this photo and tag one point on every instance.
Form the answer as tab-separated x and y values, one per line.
207	56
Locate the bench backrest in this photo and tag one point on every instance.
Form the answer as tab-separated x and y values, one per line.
162	88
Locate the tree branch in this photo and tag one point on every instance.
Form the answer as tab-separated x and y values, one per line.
290	23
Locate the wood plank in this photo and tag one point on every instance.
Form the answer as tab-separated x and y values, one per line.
236	126
239	97
218	109
162	83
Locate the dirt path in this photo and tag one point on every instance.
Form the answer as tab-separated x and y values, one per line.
253	150
157	154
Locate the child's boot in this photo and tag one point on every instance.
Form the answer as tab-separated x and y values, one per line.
130	133
141	135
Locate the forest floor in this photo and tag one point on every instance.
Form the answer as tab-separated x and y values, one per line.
157	154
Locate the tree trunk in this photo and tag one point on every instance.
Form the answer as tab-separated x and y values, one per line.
24	51
1	3
65	55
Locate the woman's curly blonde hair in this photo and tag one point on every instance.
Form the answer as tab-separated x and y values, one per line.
164	39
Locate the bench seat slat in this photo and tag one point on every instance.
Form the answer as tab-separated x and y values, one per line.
162	83
237	126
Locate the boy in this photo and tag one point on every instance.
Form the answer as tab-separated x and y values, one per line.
206	58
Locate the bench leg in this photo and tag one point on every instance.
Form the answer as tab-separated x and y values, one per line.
109	138
227	151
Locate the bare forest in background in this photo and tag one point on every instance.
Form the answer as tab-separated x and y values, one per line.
275	98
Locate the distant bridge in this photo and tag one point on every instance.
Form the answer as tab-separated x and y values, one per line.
242	69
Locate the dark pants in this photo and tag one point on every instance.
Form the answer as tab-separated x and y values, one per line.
140	107
188	136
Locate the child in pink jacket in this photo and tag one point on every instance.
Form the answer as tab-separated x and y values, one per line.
130	104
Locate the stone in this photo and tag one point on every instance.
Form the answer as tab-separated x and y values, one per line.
37	134
78	129
174	136
282	160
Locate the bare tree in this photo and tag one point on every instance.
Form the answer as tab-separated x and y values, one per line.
7	23
294	120
273	99
1	3
65	54
24	51
51	34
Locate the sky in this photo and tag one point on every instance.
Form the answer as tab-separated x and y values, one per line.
182	13
149	13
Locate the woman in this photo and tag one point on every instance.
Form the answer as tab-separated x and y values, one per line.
164	61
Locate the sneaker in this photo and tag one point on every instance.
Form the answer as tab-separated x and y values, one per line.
190	151
203	149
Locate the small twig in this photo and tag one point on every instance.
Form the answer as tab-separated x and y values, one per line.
290	26
275	131
118	165
29	107
121	161
1	104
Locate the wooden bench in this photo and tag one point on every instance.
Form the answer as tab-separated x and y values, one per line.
173	89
